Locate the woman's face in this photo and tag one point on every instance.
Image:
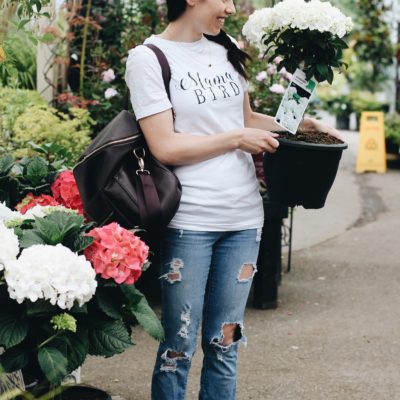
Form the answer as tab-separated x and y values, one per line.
209	15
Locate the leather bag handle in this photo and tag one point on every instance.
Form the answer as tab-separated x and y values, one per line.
148	199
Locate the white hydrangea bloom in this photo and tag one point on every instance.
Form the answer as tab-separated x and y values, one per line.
7	214
53	273
9	246
313	15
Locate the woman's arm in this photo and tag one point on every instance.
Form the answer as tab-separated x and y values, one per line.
173	148
261	121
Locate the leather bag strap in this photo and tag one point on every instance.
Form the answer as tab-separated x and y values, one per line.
148	199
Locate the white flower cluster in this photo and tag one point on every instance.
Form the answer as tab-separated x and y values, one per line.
6	214
9	246
53	273
292	14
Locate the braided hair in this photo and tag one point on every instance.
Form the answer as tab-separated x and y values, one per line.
236	56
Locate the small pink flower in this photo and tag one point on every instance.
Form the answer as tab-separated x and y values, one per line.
109	93
277	60
66	192
277	88
261	76
117	253
108	76
271	69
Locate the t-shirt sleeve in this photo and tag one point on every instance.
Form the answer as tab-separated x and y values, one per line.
144	79
243	81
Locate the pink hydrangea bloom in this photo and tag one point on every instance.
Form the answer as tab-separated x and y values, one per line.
277	88
277	60
117	253
108	76
261	76
110	93
271	69
31	201
66	192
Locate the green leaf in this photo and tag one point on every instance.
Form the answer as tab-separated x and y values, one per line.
138	306
47	37
14	359
29	238
56	226
22	23
76	309
107	338
133	295
148	320
74	347
330	76
6	163
79	243
13	328
36	170
53	364
40	307
322	69
108	301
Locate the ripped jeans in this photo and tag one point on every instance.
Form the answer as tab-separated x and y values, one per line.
204	276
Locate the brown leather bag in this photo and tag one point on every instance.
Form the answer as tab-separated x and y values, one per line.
119	179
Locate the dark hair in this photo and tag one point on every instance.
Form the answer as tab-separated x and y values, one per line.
236	56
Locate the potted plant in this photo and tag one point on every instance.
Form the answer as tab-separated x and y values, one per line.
392	139
341	106
306	35
66	287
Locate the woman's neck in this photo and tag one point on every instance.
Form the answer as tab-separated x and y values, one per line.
181	32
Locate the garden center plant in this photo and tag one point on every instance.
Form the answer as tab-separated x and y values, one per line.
66	287
307	36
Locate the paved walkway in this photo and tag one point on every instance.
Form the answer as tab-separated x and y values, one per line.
336	332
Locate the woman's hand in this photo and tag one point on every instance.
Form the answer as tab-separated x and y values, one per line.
256	141
312	124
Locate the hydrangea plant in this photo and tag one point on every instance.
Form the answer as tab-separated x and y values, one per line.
67	290
305	34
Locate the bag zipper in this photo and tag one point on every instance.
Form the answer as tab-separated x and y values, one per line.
128	139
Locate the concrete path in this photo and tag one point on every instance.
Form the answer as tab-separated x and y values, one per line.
336	332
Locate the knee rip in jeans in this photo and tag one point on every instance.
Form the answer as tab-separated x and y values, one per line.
246	273
174	275
170	358
185	318
231	333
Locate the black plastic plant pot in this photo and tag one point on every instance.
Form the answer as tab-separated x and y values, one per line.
300	173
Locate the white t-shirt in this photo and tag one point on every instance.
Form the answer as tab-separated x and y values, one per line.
220	194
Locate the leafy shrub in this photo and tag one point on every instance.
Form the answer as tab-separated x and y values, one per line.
19	68
13	102
392	127
30	174
341	105
45	124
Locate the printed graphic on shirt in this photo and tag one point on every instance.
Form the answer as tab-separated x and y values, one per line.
207	89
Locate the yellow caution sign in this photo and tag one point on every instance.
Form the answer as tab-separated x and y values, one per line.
371	149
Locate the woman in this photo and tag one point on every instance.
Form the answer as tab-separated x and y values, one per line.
210	248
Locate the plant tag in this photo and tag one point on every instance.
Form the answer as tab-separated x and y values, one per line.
295	101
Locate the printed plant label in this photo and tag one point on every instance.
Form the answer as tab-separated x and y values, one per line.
295	101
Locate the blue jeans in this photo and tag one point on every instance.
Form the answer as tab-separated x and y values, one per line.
204	276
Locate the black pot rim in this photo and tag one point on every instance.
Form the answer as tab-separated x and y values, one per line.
305	145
